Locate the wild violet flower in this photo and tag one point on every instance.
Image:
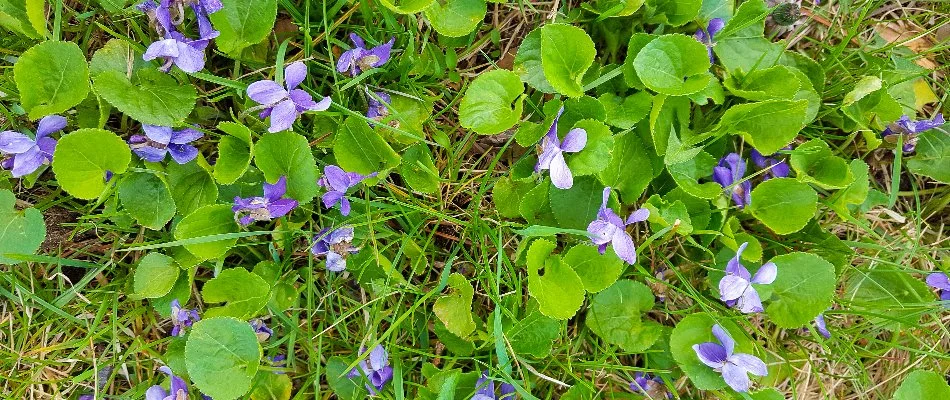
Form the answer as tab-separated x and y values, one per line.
182	318
909	130
729	172
774	166
178	389
708	36
176	49
651	387
375	367
939	281
336	245
278	361
359	58
337	182
161	140
609	228
378	109
821	326
283	106
261	330
272	205
25	154
552	153
485	390
734	367
736	287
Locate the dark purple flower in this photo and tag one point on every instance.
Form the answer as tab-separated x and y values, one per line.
734	367
359	58
729	172
278	361
775	167
179	389
261	330
28	154
939	281
272	205
176	49
283	106
86	397
651	387
821	326
337	182
708	36
336	245
736	287
609	228
485	390
552	153
909	130
161	140
378	109
375	367
182	318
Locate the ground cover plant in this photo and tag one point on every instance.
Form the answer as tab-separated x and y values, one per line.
471	199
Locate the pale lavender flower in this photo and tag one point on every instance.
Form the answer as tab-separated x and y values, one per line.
261	330
608	228
736	287
651	387
284	105
182	318
272	205
485	390
775	167
176	49
909	130
337	182
729	172
378	109
734	367
359	58
24	154
939	281
375	367
708	36
552	153
159	141
336	245
179	389
822	327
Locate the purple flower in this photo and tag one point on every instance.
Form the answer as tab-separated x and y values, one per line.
176	49
182	318
939	281
375	367
272	205
734	367
486	390
609	228
359	59
283	106
86	397
27	155
261	330
161	140
179	389
337	181
729	172
736	287
910	129
708	36
278	361
378	109
552	153
651	387
821	326
336	245
775	167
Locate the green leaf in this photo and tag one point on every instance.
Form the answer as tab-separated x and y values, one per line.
768	125
534	335
528	65
406	6
933	151
343	387
777	82
492	102
52	77
455	308
288	154
243	23
453	343
25	17
566	54
234	153
181	291
783	204
222	355
244	292
271	386
696	329
209	220
716	9
637	42
151	97
360	149
20	232
155	276
873	111
419	170
191	185
596	155
675	65
560	292
814	162
688	173
864	87
117	55
803	288
922	384
625	112
507	195
631	168
614	8
454	18
614	316
147	199
857	191
674	12
576	207
672	213
597	271
82	158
